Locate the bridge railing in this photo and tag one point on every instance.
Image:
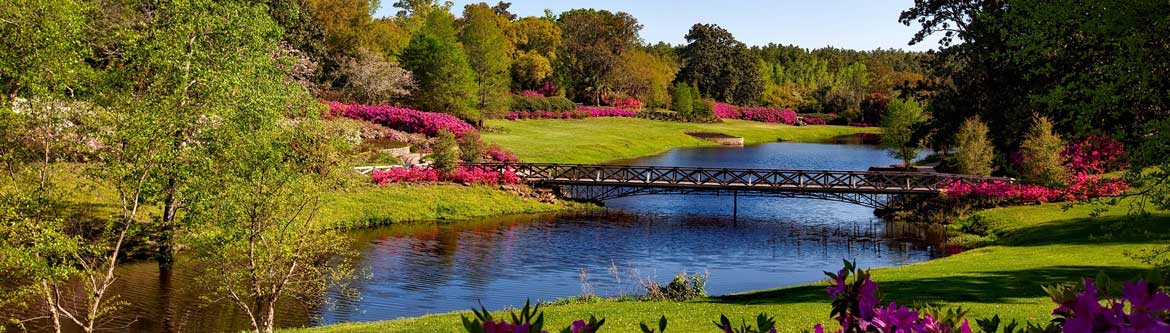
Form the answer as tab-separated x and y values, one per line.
731	178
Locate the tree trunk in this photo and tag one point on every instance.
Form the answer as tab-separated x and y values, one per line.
51	299
166	249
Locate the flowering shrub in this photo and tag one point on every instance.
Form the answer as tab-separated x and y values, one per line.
813	120
548	89
756	113
1095	155
1079	188
531	93
463	175
580	113
622	102
402	119
497	154
856	307
1082	311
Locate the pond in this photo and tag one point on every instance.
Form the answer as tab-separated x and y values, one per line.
418	269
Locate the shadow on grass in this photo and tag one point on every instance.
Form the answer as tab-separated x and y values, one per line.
1090	230
979	287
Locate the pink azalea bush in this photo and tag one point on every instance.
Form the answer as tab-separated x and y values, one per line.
857	308
622	102
813	121
464	175
402	119
496	154
756	113
1080	187
581	112
1095	155
1139	310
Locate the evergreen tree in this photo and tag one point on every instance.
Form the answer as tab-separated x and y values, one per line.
683	103
976	153
441	72
1042	147
446	157
487	52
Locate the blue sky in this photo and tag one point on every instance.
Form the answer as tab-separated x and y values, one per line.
854	24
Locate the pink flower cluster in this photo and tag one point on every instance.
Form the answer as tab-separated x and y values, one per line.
813	120
858	309
756	113
463	175
581	113
402	119
1084	312
497	154
531	93
1095	155
1080	187
623	102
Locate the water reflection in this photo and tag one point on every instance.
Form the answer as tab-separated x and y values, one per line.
433	268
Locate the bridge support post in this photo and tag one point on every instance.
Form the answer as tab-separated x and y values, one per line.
734	206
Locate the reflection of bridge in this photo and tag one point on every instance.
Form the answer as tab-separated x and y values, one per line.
873	189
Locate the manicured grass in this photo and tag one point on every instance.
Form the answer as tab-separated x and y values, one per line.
367	205
596	140
1036	246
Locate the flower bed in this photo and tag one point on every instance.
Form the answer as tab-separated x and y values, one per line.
580	113
1095	155
402	119
756	113
464	175
1081	186
497	154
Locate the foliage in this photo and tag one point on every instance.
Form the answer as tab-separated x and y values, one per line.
445	81
1079	187
1140	309
682	100
497	154
661	326
470	148
541	103
898	129
681	288
536	41
488	54
756	113
1041	151
580	113
530	320
764	324
592	48
372	80
975	153
408	120
1150	168
722	67
462	175
446	155
645	76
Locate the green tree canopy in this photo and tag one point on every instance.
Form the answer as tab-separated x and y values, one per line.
594	41
443	77
488	54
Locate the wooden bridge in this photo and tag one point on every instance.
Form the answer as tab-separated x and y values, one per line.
873	189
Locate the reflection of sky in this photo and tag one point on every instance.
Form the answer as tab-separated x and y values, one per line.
775	242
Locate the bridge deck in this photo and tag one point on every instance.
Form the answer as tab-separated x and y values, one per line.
772	180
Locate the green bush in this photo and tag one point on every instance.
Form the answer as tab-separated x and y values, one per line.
682	102
470	147
446	156
975	153
1043	163
537	103
682	288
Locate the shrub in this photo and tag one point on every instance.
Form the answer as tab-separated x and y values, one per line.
464	175
580	113
470	147
757	113
1042	161
682	288
975	152
446	156
1080	187
497	154
727	111
402	119
541	103
1095	155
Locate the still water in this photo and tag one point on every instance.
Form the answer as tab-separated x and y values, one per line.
418	269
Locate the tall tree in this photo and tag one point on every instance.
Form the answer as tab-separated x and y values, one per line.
722	67
488	54
443	76
536	42
645	76
898	129
594	41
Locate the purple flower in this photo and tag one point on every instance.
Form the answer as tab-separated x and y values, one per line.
581	327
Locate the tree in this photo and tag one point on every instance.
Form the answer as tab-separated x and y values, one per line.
594	41
722	67
446	156
371	79
682	100
443	76
536	42
976	154
898	129
645	76
1042	160
488	54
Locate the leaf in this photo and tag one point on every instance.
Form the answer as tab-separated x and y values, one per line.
662	324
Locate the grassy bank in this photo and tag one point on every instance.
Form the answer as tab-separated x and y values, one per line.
368	205
1032	246
595	140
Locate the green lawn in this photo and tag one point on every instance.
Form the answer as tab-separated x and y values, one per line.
595	140
1035	246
